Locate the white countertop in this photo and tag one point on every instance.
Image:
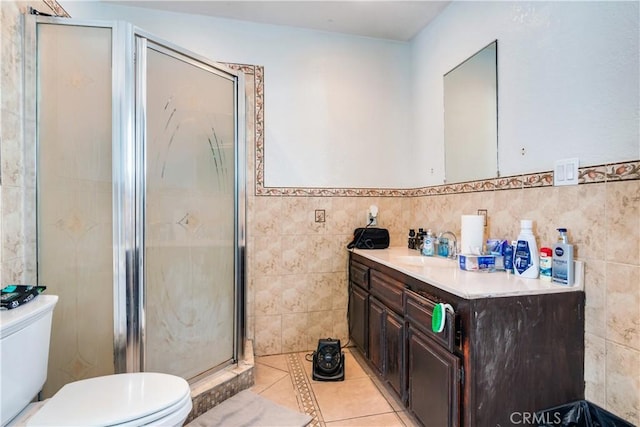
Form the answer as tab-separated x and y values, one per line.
446	275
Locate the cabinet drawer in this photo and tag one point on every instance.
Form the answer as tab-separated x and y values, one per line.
388	290
419	312
359	274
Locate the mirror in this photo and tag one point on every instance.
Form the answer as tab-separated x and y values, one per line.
471	118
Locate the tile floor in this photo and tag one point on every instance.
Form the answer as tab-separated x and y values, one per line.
359	400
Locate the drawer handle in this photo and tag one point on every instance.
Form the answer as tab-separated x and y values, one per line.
440	316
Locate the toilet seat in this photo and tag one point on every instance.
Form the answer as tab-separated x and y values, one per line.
132	399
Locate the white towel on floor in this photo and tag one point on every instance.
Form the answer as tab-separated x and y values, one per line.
248	409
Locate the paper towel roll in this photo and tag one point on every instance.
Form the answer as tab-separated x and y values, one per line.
472	234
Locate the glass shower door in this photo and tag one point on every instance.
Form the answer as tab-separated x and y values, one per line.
74	210
189	210
137	187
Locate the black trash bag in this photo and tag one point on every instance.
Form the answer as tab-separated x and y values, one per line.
580	413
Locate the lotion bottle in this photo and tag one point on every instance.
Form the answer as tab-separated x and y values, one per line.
526	258
562	262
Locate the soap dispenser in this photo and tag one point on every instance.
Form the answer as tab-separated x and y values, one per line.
428	247
562	259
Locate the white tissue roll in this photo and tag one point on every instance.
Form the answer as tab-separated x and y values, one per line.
472	234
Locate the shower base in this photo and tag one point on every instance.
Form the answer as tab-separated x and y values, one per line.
216	388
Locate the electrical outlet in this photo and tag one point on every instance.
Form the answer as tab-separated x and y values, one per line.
566	172
372	215
320	215
372	220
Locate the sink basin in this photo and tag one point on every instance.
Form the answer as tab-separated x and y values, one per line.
424	261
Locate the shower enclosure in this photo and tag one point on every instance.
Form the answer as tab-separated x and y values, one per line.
137	165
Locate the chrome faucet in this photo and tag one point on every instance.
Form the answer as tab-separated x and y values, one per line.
450	254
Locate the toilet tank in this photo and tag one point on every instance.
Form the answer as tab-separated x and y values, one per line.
24	352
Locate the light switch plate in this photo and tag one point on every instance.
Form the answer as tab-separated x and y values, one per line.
566	172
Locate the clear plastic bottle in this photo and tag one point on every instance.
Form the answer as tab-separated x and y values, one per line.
526	258
428	247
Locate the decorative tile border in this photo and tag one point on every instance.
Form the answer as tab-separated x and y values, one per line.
623	171
306	400
587	175
56	8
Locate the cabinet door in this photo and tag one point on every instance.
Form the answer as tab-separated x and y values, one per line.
434	382
394	352
358	321
376	333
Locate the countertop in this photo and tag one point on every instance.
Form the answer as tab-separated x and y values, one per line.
446	275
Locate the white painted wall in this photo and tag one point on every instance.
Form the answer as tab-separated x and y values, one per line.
337	107
568	86
568	80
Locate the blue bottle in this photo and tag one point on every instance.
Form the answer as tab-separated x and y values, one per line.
507	253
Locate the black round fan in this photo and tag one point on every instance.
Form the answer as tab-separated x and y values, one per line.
328	361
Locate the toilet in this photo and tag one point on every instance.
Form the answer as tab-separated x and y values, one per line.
131	399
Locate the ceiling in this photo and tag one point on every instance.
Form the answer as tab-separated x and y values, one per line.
384	19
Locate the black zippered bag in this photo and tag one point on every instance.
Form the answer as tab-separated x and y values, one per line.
13	296
370	238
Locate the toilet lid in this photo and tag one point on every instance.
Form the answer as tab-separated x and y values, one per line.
112	400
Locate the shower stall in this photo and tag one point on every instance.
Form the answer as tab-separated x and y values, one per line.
138	170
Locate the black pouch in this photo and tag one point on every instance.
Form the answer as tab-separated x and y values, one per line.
370	238
13	296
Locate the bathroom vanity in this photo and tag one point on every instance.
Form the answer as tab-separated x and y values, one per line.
510	346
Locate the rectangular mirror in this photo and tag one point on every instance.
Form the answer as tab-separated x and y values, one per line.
471	118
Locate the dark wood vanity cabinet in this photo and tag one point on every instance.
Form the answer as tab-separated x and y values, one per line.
434	370
434	381
359	306
358	309
497	359
386	344
387	330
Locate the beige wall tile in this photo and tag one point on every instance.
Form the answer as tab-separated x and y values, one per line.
266	255
623	225
295	293
321	290
623	382
587	221
594	369
596	298
320	325
340	292
268	295
623	304
294	332
266	216
346	215
268	335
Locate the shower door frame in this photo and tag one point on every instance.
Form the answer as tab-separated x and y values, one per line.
128	175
